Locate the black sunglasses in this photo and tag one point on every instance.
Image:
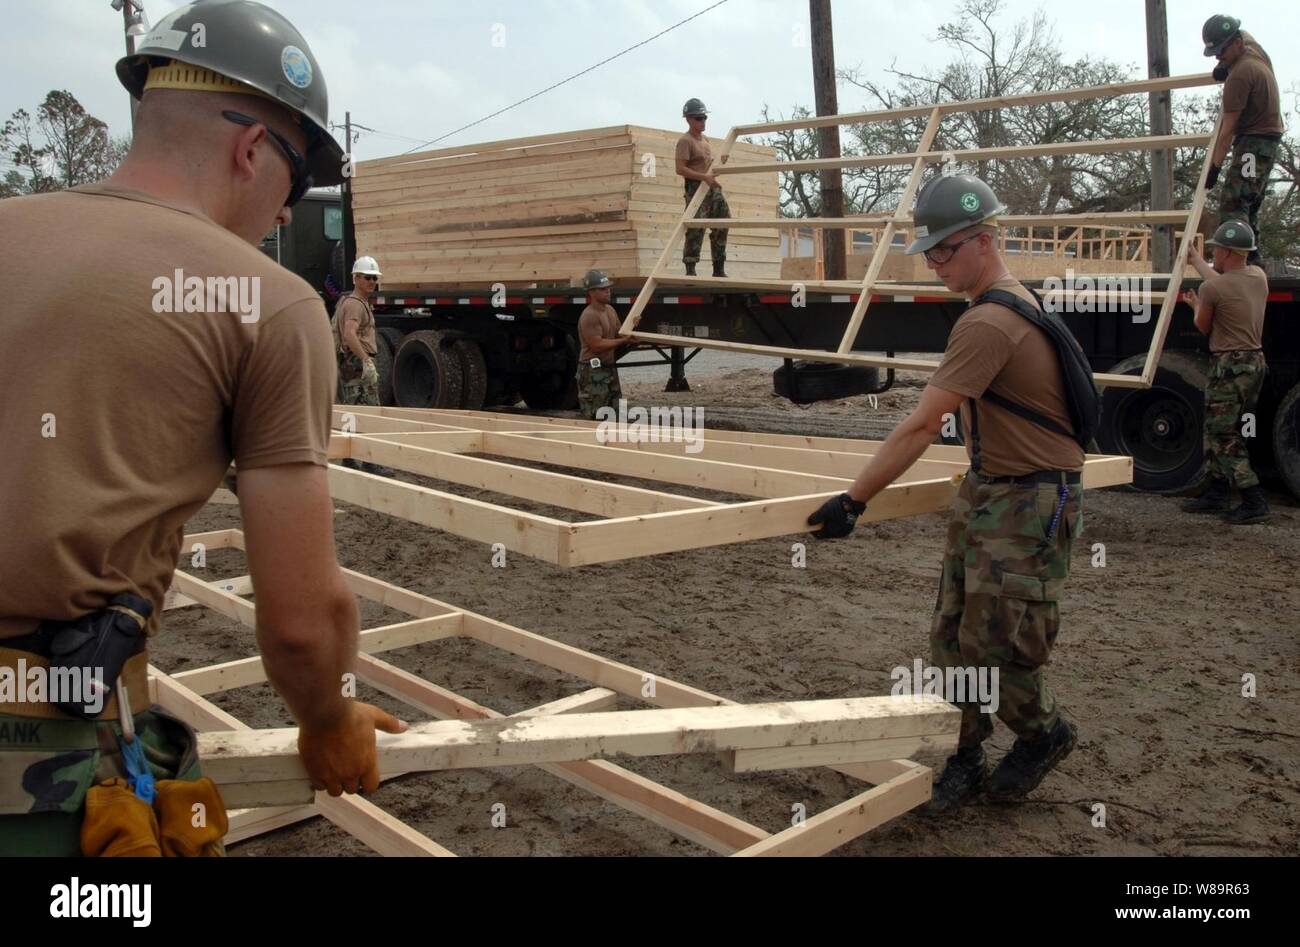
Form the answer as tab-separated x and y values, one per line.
301	179
943	253
367	276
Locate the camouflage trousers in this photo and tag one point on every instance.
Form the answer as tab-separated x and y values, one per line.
1235	383
47	767
715	206
997	605
1246	181
358	380
597	388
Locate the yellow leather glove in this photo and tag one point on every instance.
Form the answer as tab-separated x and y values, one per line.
192	818
118	823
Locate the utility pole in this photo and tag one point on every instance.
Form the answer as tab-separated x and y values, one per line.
828	138
1162	162
349	235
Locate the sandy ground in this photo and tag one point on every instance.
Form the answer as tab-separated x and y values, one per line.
1149	664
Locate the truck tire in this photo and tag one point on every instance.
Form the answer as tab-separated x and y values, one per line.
474	370
1159	427
387	342
426	372
1286	440
822	381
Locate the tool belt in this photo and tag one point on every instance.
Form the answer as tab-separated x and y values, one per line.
1067	477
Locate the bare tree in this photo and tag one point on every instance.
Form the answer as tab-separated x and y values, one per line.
76	147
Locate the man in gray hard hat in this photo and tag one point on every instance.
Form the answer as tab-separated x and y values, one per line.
1251	121
598	385
1018	508
694	158
1230	309
120	437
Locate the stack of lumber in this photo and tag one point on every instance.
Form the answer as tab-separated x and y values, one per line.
544	210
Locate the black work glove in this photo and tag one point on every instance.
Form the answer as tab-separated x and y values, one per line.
836	516
1220	73
1212	177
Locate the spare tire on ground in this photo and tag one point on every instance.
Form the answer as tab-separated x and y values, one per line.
823	381
427	372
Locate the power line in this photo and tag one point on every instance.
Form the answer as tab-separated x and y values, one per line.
569	79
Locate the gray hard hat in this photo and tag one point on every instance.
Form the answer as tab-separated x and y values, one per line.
251	44
1218	31
1233	235
694	107
596	279
947	204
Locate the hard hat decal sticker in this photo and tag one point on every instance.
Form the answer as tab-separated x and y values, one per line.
164	39
1230	232
922	231
970	202
296	66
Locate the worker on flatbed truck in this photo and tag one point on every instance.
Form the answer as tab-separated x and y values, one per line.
115	444
1251	121
598	384
1023	396
1230	309
694	157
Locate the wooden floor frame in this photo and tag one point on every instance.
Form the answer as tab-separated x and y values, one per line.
788	475
896	785
901	219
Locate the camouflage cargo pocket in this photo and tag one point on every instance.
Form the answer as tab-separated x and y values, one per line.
46	765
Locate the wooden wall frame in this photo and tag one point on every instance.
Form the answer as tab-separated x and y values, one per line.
901	219
788	476
898	784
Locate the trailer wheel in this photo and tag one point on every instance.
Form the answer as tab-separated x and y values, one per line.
387	342
426	372
823	381
474	370
1159	427
1286	440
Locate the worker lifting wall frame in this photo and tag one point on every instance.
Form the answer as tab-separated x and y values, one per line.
898	785
918	159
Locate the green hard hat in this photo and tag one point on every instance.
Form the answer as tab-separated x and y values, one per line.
694	107
249	43
596	279
1218	31
949	203
1233	235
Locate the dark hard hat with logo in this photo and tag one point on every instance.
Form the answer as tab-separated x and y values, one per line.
252	45
1233	235
1218	31
596	279
947	204
694	107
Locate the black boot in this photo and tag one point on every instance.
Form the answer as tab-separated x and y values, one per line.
960	782
718	267
1253	509
1213	500
690	269
1024	767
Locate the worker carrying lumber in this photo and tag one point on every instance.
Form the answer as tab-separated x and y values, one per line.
598	385
1024	390
1230	309
118	435
1251	121
355	347
694	158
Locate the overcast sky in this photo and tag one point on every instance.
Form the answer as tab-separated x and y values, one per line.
422	68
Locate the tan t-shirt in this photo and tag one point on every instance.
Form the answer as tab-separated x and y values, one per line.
119	418
1238	299
992	348
597	322
1251	89
695	152
352	308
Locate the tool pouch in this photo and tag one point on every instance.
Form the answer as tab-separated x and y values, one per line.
97	646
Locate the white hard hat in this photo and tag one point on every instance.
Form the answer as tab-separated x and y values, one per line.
367	266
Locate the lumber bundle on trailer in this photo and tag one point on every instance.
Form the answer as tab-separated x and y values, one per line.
544	210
